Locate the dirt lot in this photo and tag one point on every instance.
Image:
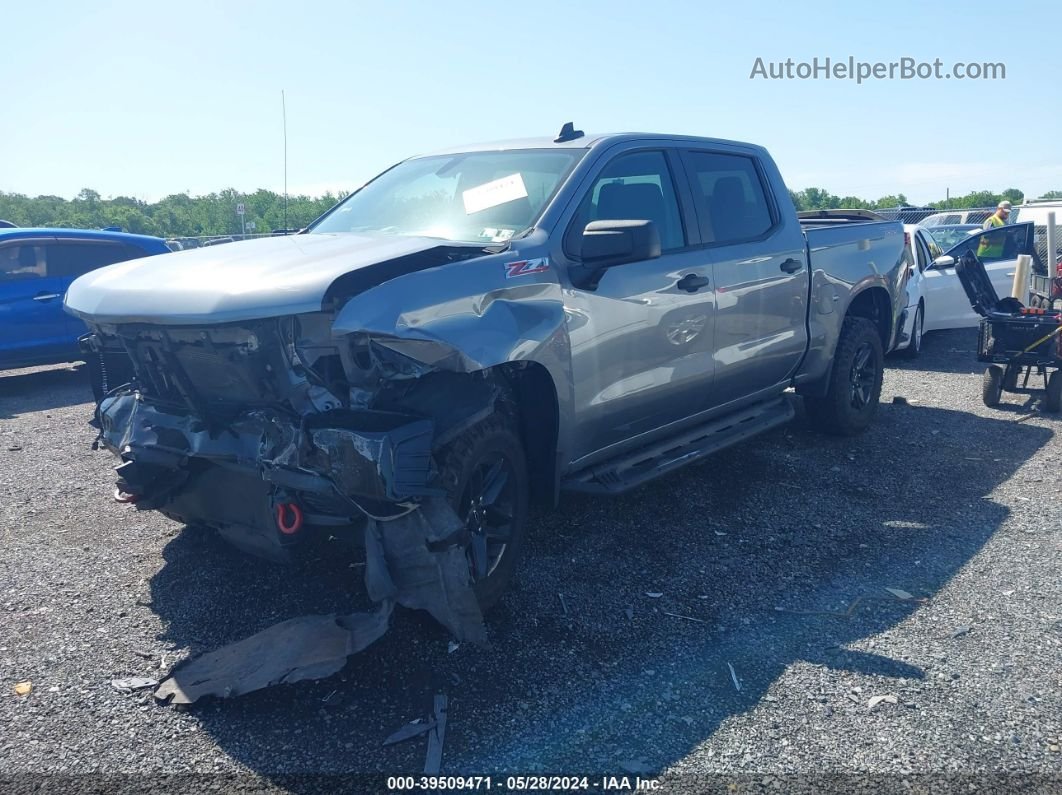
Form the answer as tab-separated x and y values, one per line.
772	633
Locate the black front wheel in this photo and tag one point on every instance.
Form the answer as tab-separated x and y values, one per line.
485	474
854	389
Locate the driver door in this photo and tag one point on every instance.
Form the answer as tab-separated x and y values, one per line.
946	303
641	344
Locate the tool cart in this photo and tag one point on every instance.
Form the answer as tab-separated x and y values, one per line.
1021	344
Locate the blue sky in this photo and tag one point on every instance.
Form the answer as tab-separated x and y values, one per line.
147	99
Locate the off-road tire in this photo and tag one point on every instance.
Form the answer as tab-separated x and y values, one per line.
494	436
992	385
836	412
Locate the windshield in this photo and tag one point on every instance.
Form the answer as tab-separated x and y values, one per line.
948	236
477	196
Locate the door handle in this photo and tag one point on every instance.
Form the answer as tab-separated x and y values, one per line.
46	296
691	282
792	265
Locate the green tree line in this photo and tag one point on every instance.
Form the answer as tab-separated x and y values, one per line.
179	215
821	199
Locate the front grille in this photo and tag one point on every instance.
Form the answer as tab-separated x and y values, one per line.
206	370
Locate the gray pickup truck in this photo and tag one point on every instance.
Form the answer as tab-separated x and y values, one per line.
486	326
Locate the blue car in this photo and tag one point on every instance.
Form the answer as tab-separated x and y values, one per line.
36	268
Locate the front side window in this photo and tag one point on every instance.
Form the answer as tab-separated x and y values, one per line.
19	263
733	203
1001	243
633	187
487	197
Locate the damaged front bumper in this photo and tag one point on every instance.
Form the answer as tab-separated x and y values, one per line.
262	476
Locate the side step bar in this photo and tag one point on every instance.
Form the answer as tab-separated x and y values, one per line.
633	469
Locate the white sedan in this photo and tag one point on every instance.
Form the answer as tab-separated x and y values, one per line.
936	299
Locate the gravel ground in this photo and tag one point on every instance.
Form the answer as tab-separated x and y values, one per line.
765	654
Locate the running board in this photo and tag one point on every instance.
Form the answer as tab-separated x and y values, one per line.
633	469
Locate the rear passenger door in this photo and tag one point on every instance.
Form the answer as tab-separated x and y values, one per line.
760	267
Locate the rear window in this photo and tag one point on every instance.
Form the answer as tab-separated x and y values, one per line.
732	202
73	259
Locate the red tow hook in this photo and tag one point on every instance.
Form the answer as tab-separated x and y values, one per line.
289	518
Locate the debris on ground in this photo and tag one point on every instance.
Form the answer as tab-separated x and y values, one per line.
653	594
417	563
960	631
687	618
629	612
333	699
899	593
436	735
23	688
875	700
308	647
133	683
452	646
410	730
564	605
734	677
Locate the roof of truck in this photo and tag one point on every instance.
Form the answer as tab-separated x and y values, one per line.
585	141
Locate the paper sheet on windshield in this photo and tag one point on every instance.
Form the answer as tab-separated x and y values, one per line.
491	194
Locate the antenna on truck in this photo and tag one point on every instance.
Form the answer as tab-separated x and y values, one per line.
284	115
568	133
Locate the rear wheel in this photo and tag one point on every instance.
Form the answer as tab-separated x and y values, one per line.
915	346
485	474
1053	398
852	397
992	385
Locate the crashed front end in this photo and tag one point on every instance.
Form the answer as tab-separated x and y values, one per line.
268	430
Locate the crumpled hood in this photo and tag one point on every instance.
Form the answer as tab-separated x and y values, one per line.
231	282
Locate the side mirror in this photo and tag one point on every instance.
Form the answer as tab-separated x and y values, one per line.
945	261
606	244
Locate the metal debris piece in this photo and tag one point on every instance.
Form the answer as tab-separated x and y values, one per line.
133	683
333	699
734	677
308	647
960	631
653	594
687	618
436	735
417	562
452	646
23	688
410	730
564	605
899	593
875	700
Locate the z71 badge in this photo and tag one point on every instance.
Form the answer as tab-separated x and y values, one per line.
526	267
